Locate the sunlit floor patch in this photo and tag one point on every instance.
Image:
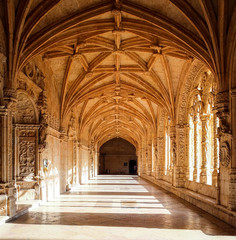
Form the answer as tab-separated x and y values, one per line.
21	231
119	212
123	209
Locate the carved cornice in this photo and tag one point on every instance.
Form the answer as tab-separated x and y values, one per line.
27	126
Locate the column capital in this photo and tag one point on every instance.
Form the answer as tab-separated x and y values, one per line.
9	97
204	117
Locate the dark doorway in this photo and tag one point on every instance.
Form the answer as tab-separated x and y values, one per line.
117	156
132	167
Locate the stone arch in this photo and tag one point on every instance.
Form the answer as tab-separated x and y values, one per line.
116	156
182	102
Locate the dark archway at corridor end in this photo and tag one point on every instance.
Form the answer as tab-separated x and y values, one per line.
117	156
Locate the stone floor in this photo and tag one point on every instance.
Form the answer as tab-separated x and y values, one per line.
117	207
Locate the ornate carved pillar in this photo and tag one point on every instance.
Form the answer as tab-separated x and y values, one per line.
79	162
6	150
143	160
161	159
149	160
227	187
203	174
215	152
155	156
173	151
195	122
149	153
233	126
179	169
74	161
91	159
187	149
3	145
232	174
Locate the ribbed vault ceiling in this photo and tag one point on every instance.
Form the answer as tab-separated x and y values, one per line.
116	64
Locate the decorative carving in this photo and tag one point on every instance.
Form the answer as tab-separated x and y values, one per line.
181	144
34	74
27	158
225	154
186	91
71	127
224	125
42	132
25	112
42	102
173	152
9	94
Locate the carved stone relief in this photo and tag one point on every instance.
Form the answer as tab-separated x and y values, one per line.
26	158
225	154
25	112
34	74
183	102
27	152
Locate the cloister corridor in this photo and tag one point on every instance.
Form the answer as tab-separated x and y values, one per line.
117	207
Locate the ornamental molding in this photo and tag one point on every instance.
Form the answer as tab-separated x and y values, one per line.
185	92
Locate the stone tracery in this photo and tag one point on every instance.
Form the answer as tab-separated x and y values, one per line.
202	125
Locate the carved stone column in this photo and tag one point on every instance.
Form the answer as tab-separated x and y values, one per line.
173	151
161	160
232	174
187	149
3	145
195	121
79	162
179	169
226	186
155	155
143	158
74	161
91	159
233	123
149	160
215	152
6	153
158	172
203	174
149	153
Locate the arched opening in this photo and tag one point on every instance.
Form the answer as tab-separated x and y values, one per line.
117	156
